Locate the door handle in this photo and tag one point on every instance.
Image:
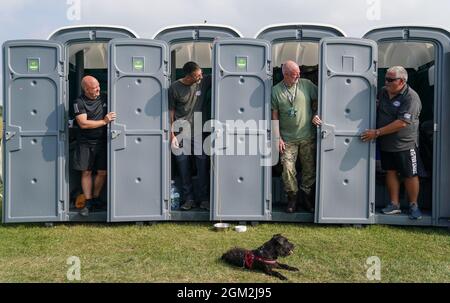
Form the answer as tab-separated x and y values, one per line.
9	135
13	138
115	134
118	137
328	138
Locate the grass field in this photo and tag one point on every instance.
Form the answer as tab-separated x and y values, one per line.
182	252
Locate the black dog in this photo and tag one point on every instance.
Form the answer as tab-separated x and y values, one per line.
264	258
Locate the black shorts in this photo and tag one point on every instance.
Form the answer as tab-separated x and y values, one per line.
90	157
407	163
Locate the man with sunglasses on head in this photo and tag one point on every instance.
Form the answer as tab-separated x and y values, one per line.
186	98
397	133
294	105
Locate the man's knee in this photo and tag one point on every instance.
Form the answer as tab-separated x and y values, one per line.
289	168
102	173
413	179
86	173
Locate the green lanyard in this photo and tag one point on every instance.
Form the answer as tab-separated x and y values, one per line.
291	97
292	112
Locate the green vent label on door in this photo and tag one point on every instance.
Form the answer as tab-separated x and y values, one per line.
33	64
138	63
241	63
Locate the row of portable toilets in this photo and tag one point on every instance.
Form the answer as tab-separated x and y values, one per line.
42	78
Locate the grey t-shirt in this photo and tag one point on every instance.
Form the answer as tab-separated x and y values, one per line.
186	100
406	106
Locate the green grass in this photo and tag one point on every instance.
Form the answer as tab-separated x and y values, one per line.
182	252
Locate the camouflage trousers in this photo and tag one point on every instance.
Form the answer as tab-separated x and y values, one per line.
306	150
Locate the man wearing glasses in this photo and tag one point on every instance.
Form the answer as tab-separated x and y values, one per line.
398	122
294	105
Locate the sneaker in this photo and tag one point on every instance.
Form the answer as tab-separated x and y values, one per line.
84	212
188	205
415	213
204	205
391	209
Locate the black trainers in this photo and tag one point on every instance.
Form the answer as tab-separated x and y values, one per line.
188	205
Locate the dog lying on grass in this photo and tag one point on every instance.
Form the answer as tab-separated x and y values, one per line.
263	258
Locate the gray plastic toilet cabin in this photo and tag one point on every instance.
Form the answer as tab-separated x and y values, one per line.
192	43
351	185
139	147
241	92
37	76
298	42
425	52
345	164
136	72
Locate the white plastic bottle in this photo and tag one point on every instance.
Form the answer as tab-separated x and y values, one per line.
174	196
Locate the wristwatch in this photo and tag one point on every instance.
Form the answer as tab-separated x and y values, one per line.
377	133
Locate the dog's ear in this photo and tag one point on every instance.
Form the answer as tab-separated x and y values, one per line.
278	238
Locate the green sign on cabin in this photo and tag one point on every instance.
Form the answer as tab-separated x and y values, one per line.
138	63
33	64
241	63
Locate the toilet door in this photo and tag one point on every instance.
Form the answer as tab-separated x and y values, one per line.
347	102
241	166
33	134
139	152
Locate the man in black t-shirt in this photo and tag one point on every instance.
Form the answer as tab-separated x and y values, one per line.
91	115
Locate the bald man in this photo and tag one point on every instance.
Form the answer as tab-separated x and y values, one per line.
92	118
294	105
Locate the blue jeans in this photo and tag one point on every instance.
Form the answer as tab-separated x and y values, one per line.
184	169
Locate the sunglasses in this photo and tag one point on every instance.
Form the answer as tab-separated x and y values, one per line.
391	79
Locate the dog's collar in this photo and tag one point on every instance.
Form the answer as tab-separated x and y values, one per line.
250	258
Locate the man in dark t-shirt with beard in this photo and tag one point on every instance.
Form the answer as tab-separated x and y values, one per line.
90	155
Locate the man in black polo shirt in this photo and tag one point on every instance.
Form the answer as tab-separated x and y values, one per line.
92	117
398	123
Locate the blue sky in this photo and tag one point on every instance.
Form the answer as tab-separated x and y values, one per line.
33	19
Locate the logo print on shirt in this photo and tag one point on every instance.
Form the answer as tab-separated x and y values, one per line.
396	103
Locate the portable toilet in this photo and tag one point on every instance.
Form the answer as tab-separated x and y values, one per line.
347	102
424	52
242	81
40	184
300	43
193	43
351	182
